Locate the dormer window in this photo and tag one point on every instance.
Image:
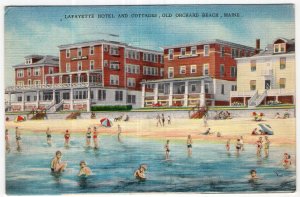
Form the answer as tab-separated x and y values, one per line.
79	52
279	46
182	51
28	61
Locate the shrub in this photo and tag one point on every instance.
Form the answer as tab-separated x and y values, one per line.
112	108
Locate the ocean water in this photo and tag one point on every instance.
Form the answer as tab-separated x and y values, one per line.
210	169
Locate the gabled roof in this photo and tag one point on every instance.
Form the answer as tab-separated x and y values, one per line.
44	60
288	41
203	42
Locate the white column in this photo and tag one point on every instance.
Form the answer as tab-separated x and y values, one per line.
88	78
37	98
60	79
71	99
53	95
186	93
78	78
143	95
155	93
23	102
202	95
244	101
9	99
52	81
88	103
171	94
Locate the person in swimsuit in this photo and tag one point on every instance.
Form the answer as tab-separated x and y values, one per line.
169	119
7	145
266	146
189	143
56	164
88	137
259	146
204	120
84	170
163	119
242	143
228	145
238	146
253	175
167	149
95	138
140	173
158	120
119	133
67	138
286	161
48	134
18	138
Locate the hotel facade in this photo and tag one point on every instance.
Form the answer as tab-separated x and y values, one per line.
268	77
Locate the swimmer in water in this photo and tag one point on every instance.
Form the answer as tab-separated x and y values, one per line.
228	145
286	161
253	175
67	138
56	164
18	138
267	146
7	145
189	143
140	173
48	134
95	138
84	170
88	136
259	146
167	149
119	132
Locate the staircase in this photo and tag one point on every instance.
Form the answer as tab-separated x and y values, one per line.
55	107
50	106
256	99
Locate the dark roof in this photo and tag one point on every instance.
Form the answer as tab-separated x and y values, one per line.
43	60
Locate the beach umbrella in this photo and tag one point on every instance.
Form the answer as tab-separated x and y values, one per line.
266	129
106	122
19	119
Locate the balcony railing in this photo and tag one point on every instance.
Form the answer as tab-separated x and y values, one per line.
53	86
241	94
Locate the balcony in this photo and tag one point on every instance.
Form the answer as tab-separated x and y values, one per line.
241	94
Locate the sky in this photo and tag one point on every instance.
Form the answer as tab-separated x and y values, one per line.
39	30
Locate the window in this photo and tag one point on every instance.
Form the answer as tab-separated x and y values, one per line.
28	98
205	69
222	51
92	62
194	50
81	78
92	50
28	72
114	79
19	98
37	82
51	70
131	82
119	96
253	85
182	51
34	98
233	88
131	99
79	65
20	83
222	70
282	83
148	70
238	53
206	88
134	69
233	53
105	63
279	48
222	88
171	54
193	68
253	65
68	67
193	87
66	95
114	65
80	94
170	72
282	63
20	73
36	71
105	48
79	52
155	58
68	53
206	50
101	95
161	59
28	61
114	50
233	72
182	70
29	82
161	72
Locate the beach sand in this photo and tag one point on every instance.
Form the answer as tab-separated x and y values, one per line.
284	129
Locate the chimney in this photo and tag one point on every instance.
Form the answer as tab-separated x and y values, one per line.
258	44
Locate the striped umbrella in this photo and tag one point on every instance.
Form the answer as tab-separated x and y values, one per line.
106	122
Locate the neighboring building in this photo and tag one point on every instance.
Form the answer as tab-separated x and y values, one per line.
197	73
90	73
268	76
